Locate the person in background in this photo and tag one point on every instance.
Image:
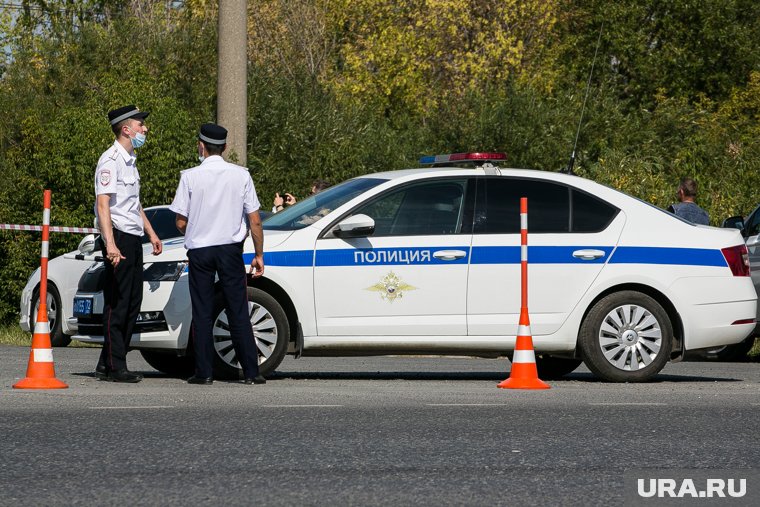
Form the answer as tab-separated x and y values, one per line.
212	203
280	202
686	208
122	222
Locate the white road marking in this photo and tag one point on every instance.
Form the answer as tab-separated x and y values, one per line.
144	407
299	406
468	404
630	404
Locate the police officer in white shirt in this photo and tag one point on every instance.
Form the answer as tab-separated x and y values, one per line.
122	223
212	202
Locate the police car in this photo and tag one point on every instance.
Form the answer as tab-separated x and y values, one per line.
63	275
427	261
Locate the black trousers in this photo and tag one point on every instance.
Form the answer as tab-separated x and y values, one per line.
226	261
122	294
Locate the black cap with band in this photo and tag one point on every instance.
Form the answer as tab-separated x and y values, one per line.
212	133
125	113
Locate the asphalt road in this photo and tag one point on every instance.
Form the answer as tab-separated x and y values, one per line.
370	431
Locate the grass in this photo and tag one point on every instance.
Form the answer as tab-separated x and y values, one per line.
754	353
11	334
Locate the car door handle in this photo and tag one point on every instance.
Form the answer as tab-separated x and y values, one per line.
449	255
588	255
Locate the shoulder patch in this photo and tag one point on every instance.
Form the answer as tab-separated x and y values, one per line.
105	177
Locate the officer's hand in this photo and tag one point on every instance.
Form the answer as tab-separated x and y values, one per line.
158	247
114	255
257	266
278	200
289	199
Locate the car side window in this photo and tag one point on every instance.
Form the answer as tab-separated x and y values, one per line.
590	214
428	208
497	206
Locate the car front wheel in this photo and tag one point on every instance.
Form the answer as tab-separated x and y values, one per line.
271	333
626	337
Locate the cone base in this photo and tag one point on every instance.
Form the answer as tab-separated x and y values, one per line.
40	383
523	383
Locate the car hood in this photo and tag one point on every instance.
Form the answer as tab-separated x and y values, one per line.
174	248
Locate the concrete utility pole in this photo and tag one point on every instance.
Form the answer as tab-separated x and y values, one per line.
232	79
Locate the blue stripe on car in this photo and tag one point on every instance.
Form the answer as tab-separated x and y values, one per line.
493	255
661	255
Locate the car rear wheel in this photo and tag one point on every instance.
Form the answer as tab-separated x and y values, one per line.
170	363
53	302
271	333
550	368
626	337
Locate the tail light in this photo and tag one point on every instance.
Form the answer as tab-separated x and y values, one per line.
737	258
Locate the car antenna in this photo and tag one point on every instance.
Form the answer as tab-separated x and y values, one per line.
571	162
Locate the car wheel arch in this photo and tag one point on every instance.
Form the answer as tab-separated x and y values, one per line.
677	349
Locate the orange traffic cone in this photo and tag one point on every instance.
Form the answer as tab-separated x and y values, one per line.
40	373
524	374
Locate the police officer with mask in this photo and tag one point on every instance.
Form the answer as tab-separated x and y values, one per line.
122	223
212	203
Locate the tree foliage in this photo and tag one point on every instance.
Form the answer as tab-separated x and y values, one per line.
339	88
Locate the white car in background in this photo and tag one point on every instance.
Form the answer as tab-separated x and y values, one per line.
63	278
427	261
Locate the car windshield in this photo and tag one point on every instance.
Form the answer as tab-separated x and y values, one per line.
315	207
163	222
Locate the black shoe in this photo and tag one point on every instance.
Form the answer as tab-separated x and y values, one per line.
205	381
124	376
258	379
101	372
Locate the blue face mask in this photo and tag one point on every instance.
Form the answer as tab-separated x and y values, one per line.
138	140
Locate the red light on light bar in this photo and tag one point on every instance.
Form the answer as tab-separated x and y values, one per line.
477	156
743	321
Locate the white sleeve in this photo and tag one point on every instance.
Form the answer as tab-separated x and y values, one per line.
105	177
250	199
181	202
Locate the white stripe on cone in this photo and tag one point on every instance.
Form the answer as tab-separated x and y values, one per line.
523	330
523	221
524	356
46	216
45	249
42	327
43	355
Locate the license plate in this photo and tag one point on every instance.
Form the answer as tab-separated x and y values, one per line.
82	307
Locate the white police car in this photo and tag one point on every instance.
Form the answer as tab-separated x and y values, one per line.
427	261
64	273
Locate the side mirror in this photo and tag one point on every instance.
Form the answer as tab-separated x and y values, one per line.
356	226
736	222
753	241
87	245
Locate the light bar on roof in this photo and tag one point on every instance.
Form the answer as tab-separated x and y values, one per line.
463	157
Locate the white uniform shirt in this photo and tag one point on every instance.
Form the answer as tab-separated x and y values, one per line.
117	176
215	197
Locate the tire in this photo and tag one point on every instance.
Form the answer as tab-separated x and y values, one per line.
270	329
626	337
170	363
552	368
54	308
